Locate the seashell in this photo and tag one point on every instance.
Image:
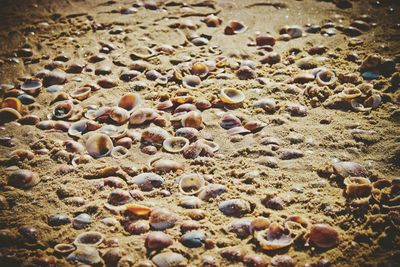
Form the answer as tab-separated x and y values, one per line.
357	186
142	115
254	126
169	259
234	27
231	96
259	224
241	227
154	135
54	77
86	255
137	210
26	99
119	115
323	236
63	110
64	249
112	257
73	146
271	58
246	73
12	102
349	93
256	260
162	218
106	83
283	260
99	145
348	168
92	239
326	78
167	165
212	191
147	181
183	99
77	128
199	41
189	133
211	146
192	119
238	130
142	52
153	75
129	101
199	69
203	104
175	144
265	39
119	197
373	101
30	234
111	181
164	105
31	86
81	93
386	193
113	131
191	184
185	108
23	179
234	207
58	220
157	241
127	76
358	106
29	120
273	238
190	202
196	214
21	155
137	227
287	154
233	253
119	152
212	21
81	221
294	31
45	125
8	115
297	110
191	81
193	239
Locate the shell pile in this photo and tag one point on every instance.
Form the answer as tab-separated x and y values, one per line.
197	133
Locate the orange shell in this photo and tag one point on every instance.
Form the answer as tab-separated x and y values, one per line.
137	209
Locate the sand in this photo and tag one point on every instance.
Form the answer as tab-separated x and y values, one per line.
368	231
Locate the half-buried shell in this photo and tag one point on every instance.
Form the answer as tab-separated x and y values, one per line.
99	145
231	96
191	184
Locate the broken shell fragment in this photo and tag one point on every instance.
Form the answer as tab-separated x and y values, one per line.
99	145
358	186
119	152
191	184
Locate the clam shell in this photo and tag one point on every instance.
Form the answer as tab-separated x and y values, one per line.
78	128
229	121
190	202
238	130
155	135
234	27
81	221
130	101
142	115
86	255
241	227
189	133
119	115
8	115
193	239
138	210
119	152
373	101
350	93
92	239
212	191
147	181
358	186
323	236
326	78
64	248
234	207
191	81
349	168
192	119
31	86
114	131
81	93
63	109
200	69
157	241
169	259
268	104
191	184
167	165
162	218
231	96
99	145
212	146
175	144
23	179
273	238
12	102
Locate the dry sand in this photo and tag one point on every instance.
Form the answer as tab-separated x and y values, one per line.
368	232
